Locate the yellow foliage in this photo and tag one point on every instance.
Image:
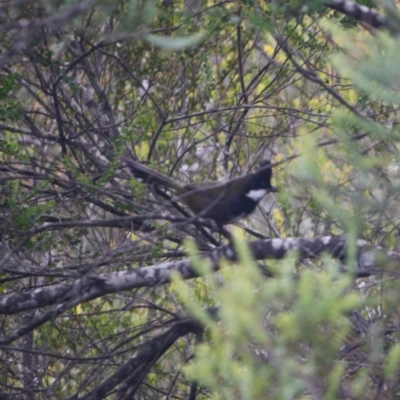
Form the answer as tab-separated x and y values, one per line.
270	49
279	220
142	149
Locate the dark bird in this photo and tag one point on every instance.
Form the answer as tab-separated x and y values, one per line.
223	202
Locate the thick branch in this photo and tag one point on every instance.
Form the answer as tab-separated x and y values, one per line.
370	261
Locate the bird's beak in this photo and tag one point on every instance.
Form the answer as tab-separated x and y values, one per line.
273	189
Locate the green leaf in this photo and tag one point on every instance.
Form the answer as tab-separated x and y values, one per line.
179	43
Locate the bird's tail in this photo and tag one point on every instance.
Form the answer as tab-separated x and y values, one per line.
146	175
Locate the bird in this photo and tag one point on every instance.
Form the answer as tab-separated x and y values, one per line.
221	202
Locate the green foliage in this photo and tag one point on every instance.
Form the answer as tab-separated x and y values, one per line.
376	72
9	106
272	336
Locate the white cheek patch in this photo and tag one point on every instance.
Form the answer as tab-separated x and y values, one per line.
256	195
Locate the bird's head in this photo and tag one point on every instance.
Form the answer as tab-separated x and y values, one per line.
263	175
